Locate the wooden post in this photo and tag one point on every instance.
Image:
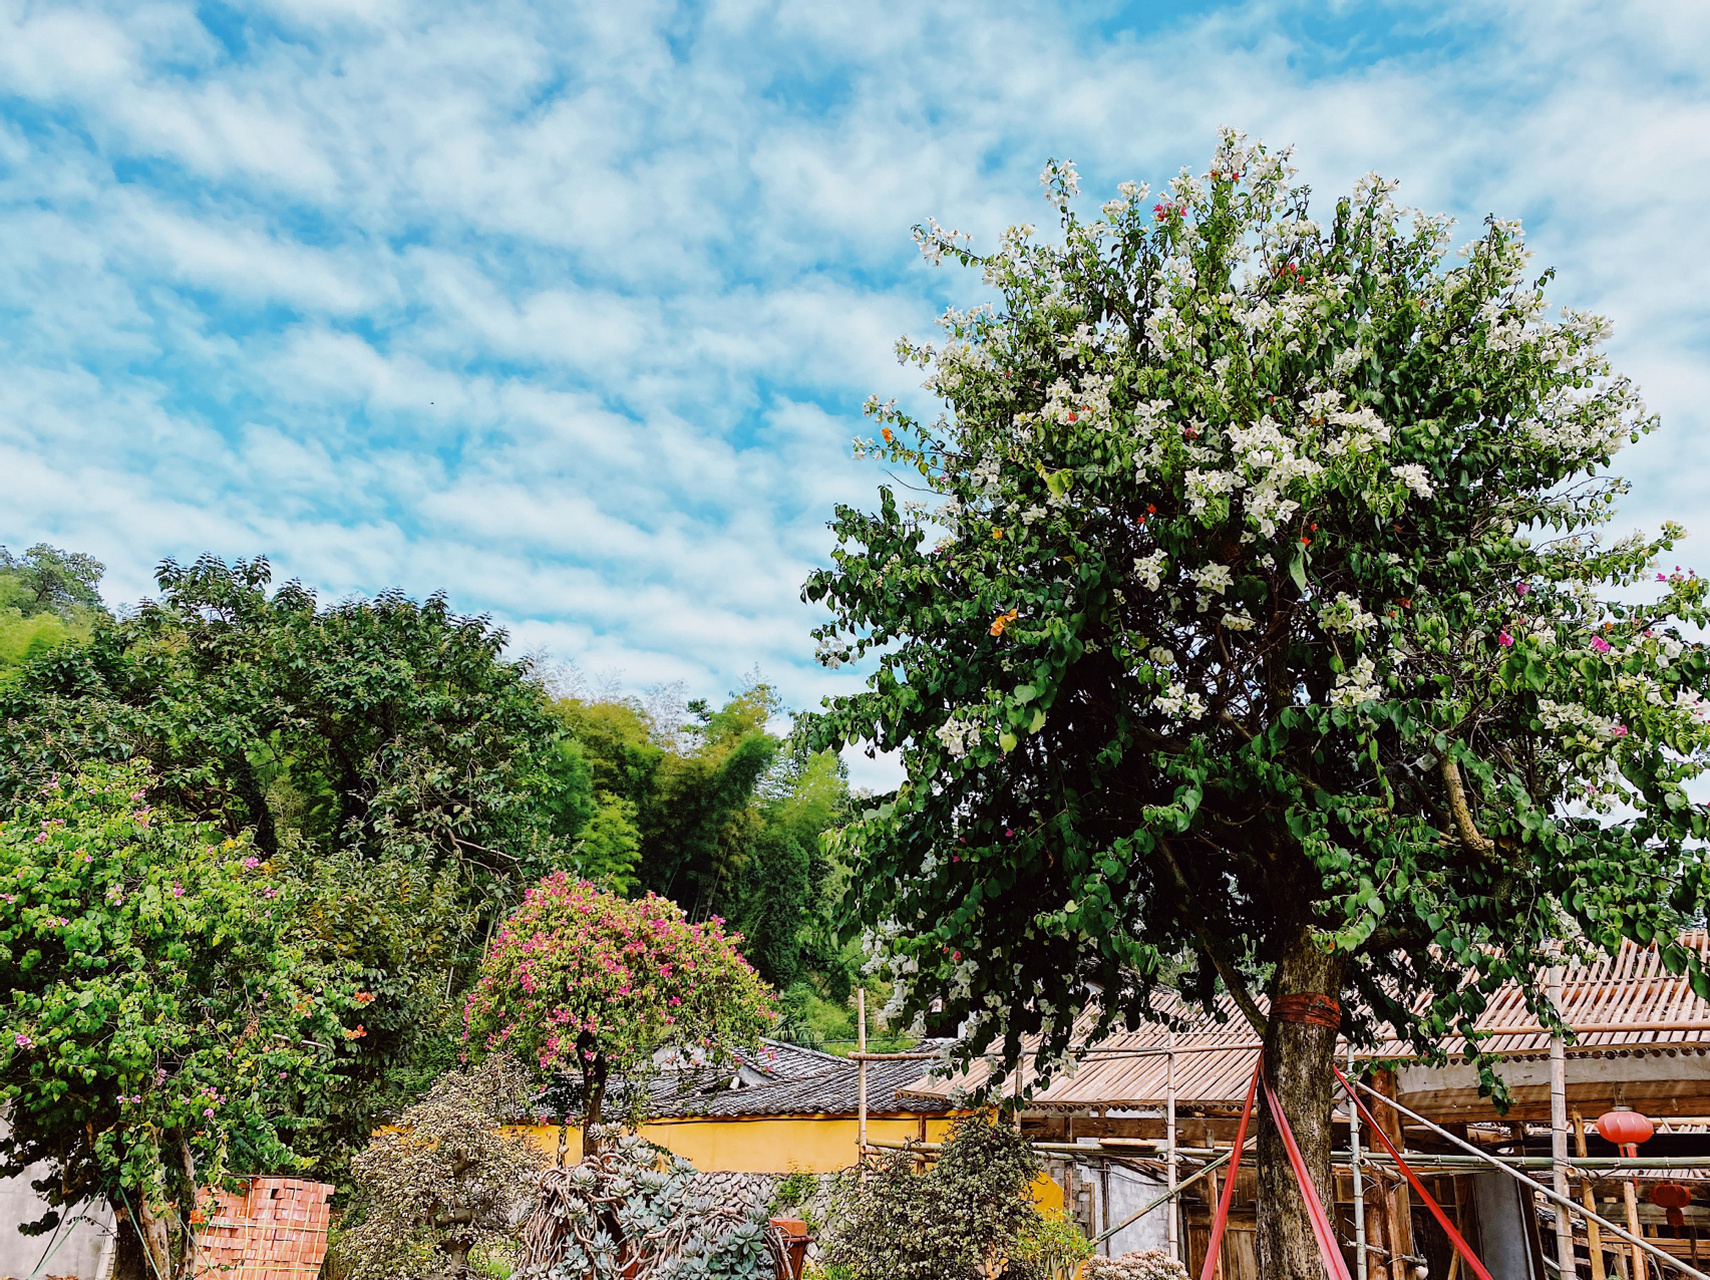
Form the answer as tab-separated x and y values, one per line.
1593	1239
1399	1206
1630	1191
1359	1182
861	1076
1210	1181
1558	1134
1171	1243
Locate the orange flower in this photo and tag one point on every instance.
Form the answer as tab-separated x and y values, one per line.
1003	620
886	433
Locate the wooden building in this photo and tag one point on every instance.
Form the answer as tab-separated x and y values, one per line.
1642	1041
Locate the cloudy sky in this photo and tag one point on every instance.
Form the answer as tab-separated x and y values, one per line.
570	309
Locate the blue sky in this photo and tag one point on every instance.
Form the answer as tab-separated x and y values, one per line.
570	309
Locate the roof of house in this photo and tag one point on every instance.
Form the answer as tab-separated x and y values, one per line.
831	1091
1621	1005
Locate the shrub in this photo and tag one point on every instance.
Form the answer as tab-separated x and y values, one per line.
631	1211
1055	1245
447	1181
1147	1264
963	1219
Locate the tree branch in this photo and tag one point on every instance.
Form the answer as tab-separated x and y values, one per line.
1232	980
1476	843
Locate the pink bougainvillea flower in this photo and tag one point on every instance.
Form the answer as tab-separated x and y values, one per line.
1504	639
1620	731
1600	644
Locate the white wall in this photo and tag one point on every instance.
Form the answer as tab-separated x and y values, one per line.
83	1250
1504	1222
1130	1189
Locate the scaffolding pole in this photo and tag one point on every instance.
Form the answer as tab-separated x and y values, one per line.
1359	1182
1171	1243
1558	1130
861	1076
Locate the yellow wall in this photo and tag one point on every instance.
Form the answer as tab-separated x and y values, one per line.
778	1144
763	1144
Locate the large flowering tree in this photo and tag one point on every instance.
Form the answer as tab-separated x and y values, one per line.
583	982
159	1032
1253	616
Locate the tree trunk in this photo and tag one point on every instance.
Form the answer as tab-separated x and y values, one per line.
129	1260
1298	1061
594	1093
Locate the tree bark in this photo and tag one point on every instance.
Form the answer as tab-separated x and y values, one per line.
594	1092
1298	1062
129	1260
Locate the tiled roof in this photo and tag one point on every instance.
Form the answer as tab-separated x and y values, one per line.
831	1092
1627	1004
784	1061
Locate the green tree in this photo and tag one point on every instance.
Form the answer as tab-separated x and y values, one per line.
1268	640
383	751
47	598
161	1032
583	982
719	814
47	580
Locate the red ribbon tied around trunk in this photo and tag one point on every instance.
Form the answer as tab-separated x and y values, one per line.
1308	1008
1327	1246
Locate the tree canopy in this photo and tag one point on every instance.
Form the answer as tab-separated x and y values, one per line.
47	597
583	982
407	779
160	1031
1254	615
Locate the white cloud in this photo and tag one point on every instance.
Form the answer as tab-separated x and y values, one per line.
570	309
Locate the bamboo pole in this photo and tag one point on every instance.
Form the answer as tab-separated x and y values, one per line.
1594	1242
1558	1132
1359	1184
861	1075
1549	1194
1630	1193
1175	1207
1171	1243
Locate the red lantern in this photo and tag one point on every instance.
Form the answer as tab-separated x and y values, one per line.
1624	1128
1674	1197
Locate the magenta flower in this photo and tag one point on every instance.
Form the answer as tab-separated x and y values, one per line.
23	1041
1620	731
1521	588
1504	639
1600	644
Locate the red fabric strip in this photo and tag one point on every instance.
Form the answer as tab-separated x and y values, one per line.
1327	1246
1222	1219
1309	1008
1455	1238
